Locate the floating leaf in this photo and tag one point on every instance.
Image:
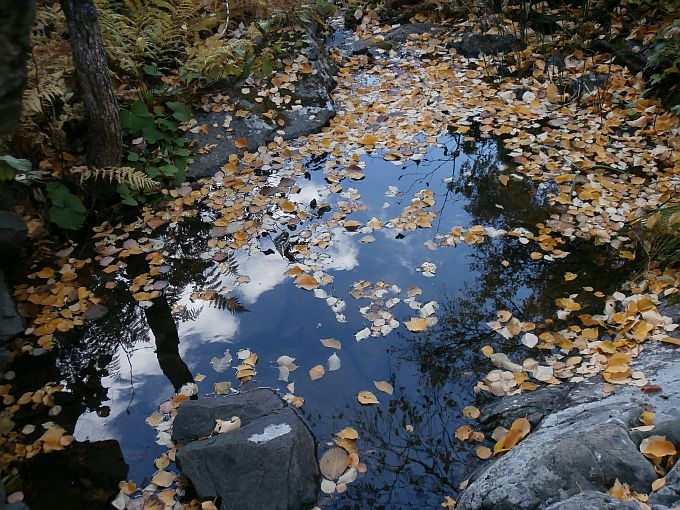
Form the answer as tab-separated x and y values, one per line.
327	486
483	452
333	463
471	412
163	478
530	340
307	282
331	343
333	362
367	139
223	363
366	397
416	324
348	433
316	372
384	386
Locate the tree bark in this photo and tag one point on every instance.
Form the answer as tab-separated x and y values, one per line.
101	107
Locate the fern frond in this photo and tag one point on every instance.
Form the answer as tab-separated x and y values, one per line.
133	179
230	303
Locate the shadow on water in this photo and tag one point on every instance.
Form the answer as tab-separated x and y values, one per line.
125	363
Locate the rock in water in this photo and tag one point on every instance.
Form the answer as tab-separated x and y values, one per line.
584	442
269	462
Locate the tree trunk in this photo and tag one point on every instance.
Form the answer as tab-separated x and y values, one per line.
105	136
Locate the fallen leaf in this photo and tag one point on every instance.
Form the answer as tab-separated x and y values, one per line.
316	372
163	478
483	452
307	282
657	447
657	484
333	463
333	362
331	343
416	324
471	412
366	397
384	386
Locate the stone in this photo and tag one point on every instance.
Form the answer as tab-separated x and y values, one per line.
12	236
311	110
11	323
196	418
668	496
471	45
269	462
581	440
593	500
16	21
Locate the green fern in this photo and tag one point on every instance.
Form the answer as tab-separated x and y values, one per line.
218	59
133	179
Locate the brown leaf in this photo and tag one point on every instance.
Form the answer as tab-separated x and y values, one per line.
316	372
416	324
307	282
333	463
483	452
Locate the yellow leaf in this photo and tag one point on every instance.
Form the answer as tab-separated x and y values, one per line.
657	447
366	397
307	282
518	431
672	341
316	372
570	276
416	324
487	350
287	206
367	139
348	433
384	386
647	417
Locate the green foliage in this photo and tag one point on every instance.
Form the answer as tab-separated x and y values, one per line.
133	179
662	235
66	210
217	59
161	153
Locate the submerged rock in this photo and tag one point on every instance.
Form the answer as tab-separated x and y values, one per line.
582	441
269	462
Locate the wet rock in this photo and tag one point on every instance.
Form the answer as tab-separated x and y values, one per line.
16	20
310	110
392	39
593	500
471	45
668	496
11	323
12	236
196	418
581	441
269	462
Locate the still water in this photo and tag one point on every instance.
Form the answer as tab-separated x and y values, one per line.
131	360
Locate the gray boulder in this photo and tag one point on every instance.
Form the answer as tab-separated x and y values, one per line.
593	500
471	45
583	442
269	462
16	20
668	496
11	323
